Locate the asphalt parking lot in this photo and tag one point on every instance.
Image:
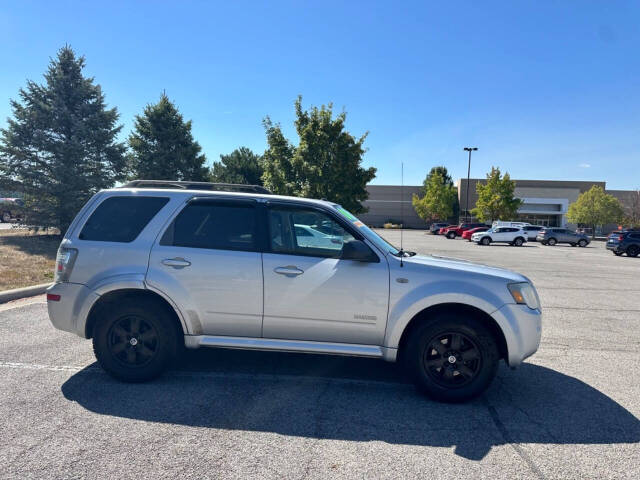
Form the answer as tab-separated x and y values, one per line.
571	411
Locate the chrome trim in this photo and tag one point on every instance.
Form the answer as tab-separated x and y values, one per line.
248	343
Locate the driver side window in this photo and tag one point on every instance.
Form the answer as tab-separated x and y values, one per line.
299	231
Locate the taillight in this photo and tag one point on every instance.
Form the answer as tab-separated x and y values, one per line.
620	238
64	264
52	297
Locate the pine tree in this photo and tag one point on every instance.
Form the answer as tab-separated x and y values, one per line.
240	166
61	145
163	147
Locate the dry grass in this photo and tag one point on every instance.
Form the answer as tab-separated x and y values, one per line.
26	258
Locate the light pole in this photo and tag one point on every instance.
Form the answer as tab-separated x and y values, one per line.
469	149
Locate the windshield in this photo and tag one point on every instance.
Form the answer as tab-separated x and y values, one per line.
376	239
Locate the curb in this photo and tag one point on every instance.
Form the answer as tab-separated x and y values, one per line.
18	293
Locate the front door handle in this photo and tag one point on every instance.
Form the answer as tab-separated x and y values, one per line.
177	262
289	271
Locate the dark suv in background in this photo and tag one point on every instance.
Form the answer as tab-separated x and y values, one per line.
625	241
554	235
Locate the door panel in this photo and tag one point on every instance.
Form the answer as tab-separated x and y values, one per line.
310	293
204	265
332	300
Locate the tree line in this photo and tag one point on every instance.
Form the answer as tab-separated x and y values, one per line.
497	201
62	145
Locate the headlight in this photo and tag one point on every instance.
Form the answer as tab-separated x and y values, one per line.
525	294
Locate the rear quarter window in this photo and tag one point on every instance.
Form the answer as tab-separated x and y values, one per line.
121	219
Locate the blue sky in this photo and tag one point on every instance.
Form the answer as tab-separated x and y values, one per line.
546	89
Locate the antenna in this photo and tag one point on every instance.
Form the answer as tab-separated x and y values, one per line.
401	212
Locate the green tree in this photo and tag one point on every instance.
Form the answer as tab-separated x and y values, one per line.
632	210
439	197
496	200
240	166
163	147
325	164
61	145
595	208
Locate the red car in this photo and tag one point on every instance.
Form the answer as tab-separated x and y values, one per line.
457	230
467	233
443	230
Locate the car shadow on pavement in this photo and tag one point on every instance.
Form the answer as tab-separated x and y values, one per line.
356	399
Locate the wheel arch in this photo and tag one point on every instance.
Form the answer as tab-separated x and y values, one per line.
430	312
114	297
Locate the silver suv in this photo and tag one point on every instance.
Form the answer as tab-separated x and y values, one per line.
153	266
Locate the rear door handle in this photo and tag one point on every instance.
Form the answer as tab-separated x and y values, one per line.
289	271
177	262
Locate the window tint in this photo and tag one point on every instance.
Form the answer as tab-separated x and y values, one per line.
305	232
121	219
219	226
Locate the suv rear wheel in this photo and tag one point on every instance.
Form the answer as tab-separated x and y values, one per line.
633	251
135	341
452	358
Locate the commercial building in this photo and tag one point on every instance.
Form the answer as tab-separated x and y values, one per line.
546	202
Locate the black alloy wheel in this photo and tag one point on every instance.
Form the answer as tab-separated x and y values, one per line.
633	251
452	359
136	339
133	341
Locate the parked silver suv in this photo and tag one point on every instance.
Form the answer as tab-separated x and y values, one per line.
152	265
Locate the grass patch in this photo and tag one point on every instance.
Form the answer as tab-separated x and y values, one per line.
26	258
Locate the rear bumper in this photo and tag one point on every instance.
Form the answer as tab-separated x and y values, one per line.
71	311
522	329
614	247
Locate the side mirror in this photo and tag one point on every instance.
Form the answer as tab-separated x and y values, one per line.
358	251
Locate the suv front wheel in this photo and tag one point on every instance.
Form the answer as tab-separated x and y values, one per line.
135	340
452	358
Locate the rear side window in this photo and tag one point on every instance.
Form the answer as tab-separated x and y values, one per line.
218	226
121	219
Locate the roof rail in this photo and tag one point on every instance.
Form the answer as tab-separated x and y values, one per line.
218	187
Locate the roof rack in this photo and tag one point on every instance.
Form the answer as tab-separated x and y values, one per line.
218	187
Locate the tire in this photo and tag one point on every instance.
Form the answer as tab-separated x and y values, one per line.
518	242
552	242
582	243
633	251
485	241
6	217
154	333
451	235
430	350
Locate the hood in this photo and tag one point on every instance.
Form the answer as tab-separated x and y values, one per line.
464	266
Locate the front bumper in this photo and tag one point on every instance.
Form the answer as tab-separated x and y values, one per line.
522	329
71	311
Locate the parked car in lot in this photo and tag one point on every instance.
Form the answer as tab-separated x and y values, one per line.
435	227
152	265
532	231
468	233
625	241
443	230
457	230
11	209
512	235
554	235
